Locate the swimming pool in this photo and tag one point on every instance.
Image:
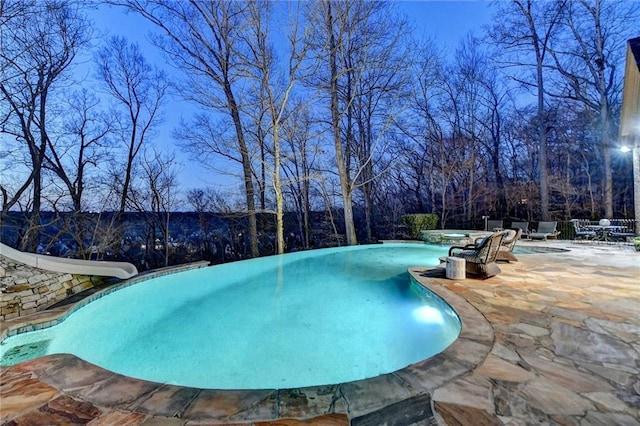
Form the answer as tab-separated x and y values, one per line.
309	318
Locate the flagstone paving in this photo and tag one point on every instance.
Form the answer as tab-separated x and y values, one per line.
553	339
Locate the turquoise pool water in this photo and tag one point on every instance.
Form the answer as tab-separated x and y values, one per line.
301	319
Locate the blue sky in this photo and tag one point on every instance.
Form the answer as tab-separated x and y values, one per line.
447	22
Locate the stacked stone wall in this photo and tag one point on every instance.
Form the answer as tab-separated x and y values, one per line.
25	290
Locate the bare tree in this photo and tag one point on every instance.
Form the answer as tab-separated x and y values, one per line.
139	90
360	63
420	127
155	196
525	29
82	146
343	169
299	165
586	55
204	39
380	93
274	98
330	22
39	42
496	101
75	155
464	112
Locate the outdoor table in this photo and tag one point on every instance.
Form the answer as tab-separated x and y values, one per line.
603	231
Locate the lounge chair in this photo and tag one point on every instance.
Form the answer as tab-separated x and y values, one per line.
524	226
480	258
494	225
511	237
545	230
582	232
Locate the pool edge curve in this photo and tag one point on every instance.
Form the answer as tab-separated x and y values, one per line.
411	384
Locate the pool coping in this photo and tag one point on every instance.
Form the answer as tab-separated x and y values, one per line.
366	398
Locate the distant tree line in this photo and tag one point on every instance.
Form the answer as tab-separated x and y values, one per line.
324	106
193	236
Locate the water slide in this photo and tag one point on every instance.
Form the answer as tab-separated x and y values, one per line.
122	270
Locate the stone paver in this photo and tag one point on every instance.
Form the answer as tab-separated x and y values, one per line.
553	339
567	339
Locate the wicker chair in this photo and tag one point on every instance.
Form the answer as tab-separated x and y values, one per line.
511	237
480	258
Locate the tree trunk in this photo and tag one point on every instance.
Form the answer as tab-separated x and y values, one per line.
305	200
600	62
29	241
343	172
368	213
263	169
542	146
246	169
606	158
130	156
469	216
278	190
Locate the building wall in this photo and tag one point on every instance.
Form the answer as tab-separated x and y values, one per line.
25	290
630	114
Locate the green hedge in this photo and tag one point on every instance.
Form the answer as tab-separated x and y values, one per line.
419	222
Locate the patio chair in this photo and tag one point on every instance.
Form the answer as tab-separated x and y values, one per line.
582	232
511	237
480	258
545	230
494	225
523	226
622	234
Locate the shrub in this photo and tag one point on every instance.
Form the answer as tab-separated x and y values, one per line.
419	222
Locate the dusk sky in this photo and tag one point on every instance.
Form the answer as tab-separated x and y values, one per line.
447	22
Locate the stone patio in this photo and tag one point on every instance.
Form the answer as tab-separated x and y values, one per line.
553	339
